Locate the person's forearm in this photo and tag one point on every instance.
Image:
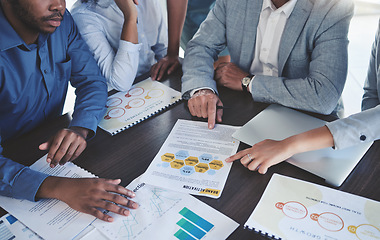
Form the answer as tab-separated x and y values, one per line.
176	19
129	31
49	188
311	140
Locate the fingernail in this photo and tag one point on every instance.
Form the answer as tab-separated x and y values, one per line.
48	160
135	205
132	194
109	219
52	165
126	212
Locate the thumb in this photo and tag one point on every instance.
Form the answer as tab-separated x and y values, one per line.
44	146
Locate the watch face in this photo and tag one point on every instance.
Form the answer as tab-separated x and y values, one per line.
246	81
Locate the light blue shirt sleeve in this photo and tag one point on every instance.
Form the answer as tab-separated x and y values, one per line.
357	128
363	126
121	61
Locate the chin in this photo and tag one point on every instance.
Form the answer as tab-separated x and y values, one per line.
48	30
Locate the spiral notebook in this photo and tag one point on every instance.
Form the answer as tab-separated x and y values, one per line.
294	209
144	100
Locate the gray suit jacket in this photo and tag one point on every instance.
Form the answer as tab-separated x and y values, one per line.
312	55
364	126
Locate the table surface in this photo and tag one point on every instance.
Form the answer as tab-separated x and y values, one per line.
128	154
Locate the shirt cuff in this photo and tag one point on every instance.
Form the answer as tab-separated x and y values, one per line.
129	47
87	121
27	183
250	84
197	89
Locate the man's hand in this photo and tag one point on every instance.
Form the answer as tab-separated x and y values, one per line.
65	146
229	75
203	104
88	194
167	64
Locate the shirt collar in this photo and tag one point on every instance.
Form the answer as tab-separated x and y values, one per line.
287	8
9	37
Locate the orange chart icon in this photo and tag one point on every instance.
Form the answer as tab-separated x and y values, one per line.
135	103
365	231
293	209
154	93
115	113
135	92
113	102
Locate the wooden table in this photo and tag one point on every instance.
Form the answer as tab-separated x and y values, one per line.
128	154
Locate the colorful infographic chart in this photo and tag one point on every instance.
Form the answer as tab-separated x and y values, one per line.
192	159
143	100
165	214
192	226
295	209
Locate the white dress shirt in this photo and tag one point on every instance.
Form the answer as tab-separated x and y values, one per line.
120	61
269	32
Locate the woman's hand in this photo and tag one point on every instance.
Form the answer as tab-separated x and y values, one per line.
263	155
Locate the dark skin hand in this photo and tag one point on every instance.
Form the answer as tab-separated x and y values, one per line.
229	75
66	145
88	194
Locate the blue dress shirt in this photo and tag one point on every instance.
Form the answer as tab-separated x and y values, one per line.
33	85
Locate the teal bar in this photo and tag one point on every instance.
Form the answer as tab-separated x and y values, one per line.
191	228
182	235
197	220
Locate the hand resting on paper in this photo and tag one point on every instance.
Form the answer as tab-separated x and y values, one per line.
66	145
267	153
88	194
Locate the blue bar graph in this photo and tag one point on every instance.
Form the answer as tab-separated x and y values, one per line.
193	226
201	222
182	235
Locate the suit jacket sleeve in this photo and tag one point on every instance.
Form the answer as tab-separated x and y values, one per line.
203	50
371	94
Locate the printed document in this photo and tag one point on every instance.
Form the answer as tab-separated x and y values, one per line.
50	218
294	209
192	159
163	215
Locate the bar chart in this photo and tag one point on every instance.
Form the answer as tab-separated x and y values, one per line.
193	226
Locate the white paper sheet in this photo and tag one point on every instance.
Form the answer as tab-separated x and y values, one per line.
164	215
12	228
192	159
50	218
293	209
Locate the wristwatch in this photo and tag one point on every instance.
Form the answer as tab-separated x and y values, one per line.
245	82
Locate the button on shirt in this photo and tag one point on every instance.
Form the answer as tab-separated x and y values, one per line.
33	85
121	61
269	32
